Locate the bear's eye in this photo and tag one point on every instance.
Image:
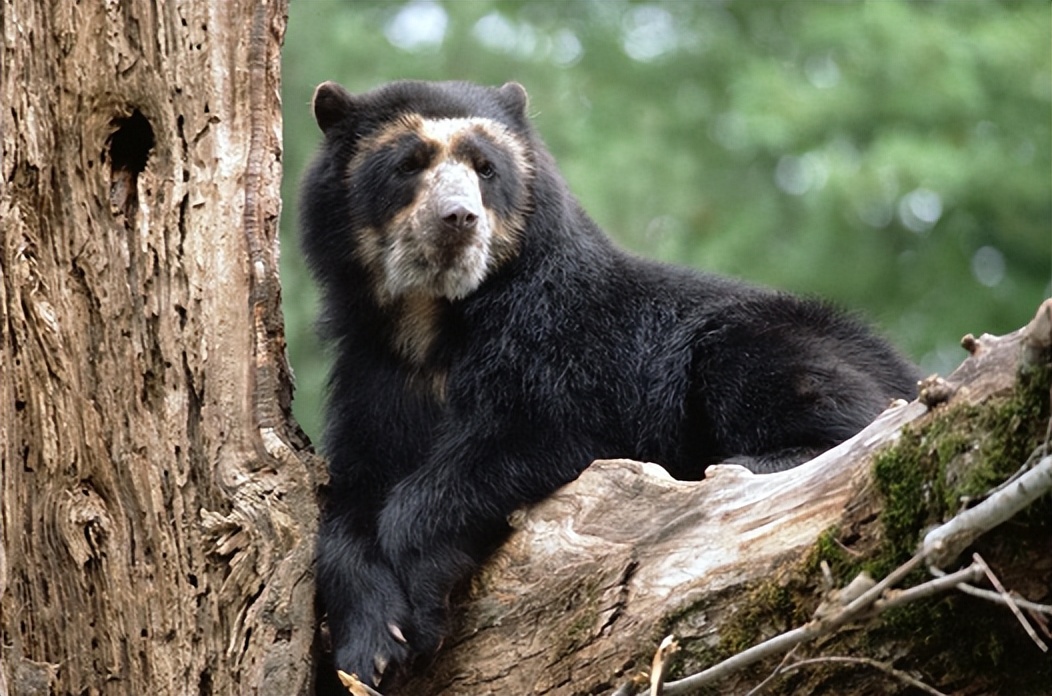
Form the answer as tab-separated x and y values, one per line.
485	170
413	164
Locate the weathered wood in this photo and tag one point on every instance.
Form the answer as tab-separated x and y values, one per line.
594	577
157	517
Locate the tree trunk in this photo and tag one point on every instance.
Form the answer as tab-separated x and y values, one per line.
157	510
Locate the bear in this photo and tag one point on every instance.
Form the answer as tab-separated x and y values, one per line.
490	341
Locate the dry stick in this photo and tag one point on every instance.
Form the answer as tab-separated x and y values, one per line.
790	639
918	592
996	597
777	671
996	582
944	582
945	543
882	666
931	588
356	686
660	665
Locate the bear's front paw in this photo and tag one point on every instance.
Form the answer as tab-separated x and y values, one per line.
375	649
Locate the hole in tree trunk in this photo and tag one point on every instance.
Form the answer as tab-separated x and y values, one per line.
129	150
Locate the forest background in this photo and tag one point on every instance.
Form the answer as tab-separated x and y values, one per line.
892	156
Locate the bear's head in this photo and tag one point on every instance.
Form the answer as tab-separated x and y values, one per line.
426	183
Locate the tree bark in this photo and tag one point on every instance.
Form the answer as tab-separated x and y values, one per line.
157	507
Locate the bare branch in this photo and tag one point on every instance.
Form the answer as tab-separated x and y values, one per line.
1021	602
955	534
946	542
941	584
996	582
790	639
876	664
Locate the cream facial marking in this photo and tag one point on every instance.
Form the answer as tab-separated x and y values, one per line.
445	242
445	133
430	254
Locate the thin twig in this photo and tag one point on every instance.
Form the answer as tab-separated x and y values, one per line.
874	593
774	675
1020	602
939	546
876	664
632	684
1009	601
356	686
996	597
790	639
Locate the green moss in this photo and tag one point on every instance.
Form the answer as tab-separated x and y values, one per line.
771	607
909	477
768	608
827	548
1015	428
962	452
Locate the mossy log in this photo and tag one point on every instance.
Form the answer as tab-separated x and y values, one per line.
578	599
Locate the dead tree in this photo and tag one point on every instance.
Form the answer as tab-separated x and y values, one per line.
157	507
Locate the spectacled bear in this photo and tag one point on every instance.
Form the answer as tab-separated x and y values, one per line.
490	342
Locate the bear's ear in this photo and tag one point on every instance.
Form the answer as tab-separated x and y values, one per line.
514	97
331	104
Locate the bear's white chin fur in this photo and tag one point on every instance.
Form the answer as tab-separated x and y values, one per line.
406	270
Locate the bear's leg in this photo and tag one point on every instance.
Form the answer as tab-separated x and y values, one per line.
439	523
366	606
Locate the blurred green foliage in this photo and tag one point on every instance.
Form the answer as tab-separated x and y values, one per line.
893	156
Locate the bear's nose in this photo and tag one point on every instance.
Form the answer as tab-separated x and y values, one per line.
459	217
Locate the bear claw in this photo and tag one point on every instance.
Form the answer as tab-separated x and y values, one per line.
397	633
380	664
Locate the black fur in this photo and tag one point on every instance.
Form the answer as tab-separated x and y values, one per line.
570	351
